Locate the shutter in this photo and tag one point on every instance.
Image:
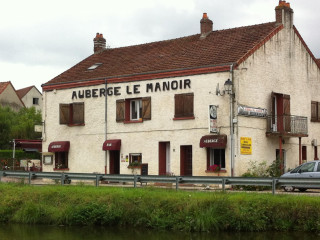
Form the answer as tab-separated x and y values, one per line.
178	105
120	108
146	108
286	104
314	114
78	113
188	105
64	113
286	113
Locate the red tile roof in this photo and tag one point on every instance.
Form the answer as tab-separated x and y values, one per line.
219	48
22	92
3	86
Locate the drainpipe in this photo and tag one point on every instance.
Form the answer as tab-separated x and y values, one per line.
105	126
231	123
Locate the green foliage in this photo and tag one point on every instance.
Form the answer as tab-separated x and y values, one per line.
158	208
18	125
274	169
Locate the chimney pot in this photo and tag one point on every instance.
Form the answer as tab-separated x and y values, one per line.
99	43
205	25
284	14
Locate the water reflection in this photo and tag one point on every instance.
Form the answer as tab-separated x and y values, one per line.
42	232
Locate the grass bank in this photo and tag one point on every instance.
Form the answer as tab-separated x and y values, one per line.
157	208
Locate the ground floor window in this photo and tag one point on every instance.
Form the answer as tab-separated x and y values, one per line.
216	159
61	160
135	159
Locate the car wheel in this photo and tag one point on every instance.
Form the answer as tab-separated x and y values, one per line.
302	189
288	188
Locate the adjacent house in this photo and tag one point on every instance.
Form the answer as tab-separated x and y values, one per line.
31	97
204	104
9	97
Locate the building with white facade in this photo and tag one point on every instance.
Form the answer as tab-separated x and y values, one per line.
163	103
31	97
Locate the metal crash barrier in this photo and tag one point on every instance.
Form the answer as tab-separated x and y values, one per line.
66	178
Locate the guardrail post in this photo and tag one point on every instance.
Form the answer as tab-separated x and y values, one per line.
135	181
177	183
62	178
1	174
274	185
223	184
97	180
30	175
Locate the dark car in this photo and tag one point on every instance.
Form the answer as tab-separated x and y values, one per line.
308	170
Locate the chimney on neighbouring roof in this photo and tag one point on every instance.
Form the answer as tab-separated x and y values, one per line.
284	14
205	26
99	43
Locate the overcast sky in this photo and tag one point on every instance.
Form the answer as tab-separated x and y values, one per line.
41	39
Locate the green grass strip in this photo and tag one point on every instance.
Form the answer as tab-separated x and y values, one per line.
158	208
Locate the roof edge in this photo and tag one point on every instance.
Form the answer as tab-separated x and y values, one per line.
139	77
306	46
260	44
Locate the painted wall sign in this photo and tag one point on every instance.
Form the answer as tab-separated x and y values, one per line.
245	146
132	89
213	128
252	112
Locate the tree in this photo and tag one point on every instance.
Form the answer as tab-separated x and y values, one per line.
18	125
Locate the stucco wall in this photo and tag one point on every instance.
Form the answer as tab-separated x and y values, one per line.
86	153
282	65
28	99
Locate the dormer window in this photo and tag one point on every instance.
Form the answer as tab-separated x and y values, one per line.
94	66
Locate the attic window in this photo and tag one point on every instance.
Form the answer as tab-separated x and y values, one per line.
94	66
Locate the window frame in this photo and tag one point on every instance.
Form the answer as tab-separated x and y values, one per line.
212	161
61	161
35	101
124	110
135	162
315	111
67	114
183	108
138	109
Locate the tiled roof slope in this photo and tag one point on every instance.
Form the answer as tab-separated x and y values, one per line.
3	86
22	92
218	48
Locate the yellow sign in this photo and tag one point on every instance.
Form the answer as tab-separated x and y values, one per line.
245	146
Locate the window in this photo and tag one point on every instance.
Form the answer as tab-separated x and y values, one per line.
183	106
315	111
304	153
35	101
216	157
61	160
135	159
94	66
133	110
72	114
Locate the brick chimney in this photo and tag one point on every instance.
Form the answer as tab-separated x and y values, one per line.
284	14
99	43
205	26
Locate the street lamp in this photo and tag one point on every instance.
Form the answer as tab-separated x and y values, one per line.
228	89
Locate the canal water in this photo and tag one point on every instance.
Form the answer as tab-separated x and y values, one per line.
43	232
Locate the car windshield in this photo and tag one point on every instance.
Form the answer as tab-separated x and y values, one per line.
296	169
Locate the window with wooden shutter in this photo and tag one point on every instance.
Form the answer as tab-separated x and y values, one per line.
183	105
71	114
77	113
315	111
120	110
146	108
64	112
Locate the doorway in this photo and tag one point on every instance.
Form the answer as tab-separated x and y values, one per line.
164	158
114	159
186	160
